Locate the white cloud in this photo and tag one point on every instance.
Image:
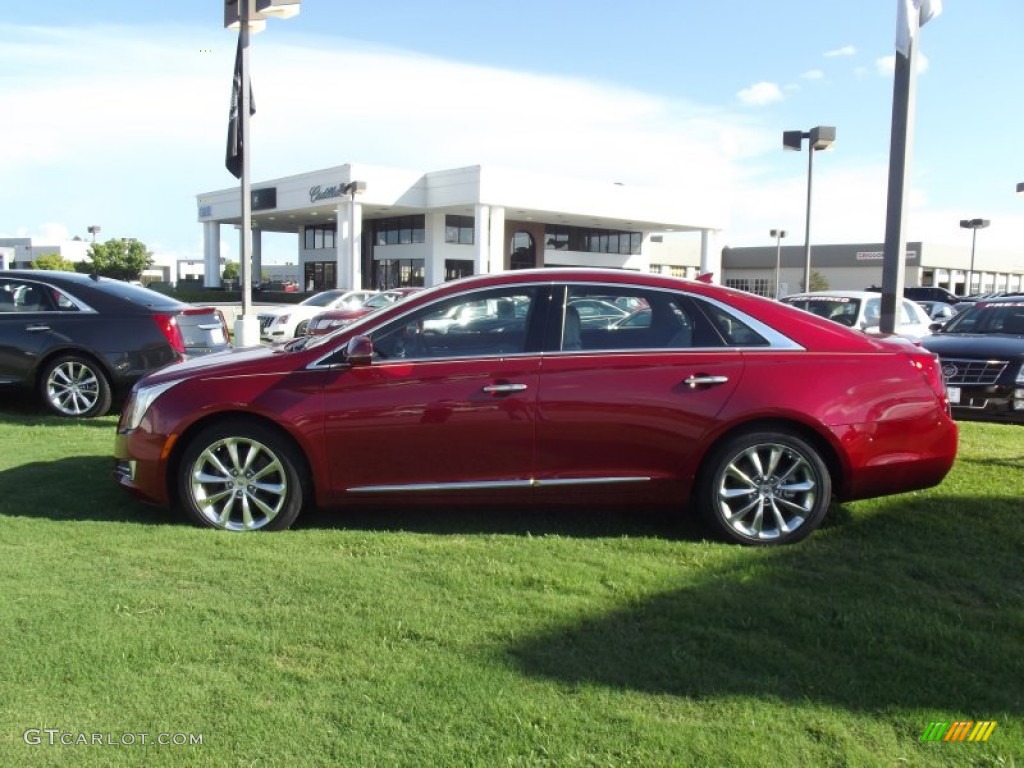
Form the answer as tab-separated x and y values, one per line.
760	94
813	74
846	50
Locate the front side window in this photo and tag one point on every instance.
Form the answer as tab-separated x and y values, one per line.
479	324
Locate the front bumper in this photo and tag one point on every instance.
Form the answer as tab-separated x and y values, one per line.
987	403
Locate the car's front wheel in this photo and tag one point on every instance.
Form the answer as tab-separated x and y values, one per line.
242	477
75	386
762	488
301	329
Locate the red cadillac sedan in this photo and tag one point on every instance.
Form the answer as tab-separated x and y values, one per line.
489	388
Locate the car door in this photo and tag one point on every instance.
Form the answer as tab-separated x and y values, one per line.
441	407
631	402
24	330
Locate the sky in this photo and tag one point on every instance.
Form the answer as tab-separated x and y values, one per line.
114	112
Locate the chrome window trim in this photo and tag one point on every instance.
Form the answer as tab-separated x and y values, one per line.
776	340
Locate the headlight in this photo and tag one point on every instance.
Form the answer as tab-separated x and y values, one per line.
280	319
1020	375
140	401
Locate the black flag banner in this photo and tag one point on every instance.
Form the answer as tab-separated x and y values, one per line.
236	141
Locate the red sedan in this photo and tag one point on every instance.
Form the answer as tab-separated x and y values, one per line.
489	388
333	319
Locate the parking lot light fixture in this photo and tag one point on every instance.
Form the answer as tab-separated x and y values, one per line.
974	225
778	234
818	138
1020	187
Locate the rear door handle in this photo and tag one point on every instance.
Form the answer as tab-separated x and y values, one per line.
36	328
503	389
704	381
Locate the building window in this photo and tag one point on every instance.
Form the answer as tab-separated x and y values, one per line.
559	237
757	285
456	268
319	238
400	230
397	273
458	229
524	252
320	275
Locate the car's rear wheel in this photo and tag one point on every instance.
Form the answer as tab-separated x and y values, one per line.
242	477
75	386
763	488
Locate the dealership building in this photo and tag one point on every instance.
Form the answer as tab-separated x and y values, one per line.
374	227
857	266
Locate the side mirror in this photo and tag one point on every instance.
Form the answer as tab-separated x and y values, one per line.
359	350
935	327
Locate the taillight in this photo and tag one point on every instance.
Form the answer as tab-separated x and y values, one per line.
168	326
929	366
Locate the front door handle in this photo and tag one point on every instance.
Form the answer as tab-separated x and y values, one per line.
37	328
503	389
704	381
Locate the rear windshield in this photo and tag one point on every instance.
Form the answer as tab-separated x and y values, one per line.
839	309
136	294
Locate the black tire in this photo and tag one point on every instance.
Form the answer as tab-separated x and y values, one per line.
75	387
764	488
237	476
301	328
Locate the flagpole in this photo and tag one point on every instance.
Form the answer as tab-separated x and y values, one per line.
904	92
246	326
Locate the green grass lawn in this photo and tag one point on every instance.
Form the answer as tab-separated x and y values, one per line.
477	637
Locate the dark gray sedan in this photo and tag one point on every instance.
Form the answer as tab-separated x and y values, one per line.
81	341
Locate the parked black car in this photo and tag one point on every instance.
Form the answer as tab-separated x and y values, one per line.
930	293
982	354
81	341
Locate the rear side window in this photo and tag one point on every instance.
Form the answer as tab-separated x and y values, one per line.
734	331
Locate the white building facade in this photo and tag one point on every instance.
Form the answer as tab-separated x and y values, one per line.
359	226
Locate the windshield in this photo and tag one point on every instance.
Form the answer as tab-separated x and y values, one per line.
380	300
323	299
989	317
839	309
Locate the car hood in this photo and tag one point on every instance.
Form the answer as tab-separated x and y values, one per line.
234	362
301	310
988	345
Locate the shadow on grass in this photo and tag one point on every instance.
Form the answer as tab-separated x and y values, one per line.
24	409
487	517
910	606
76	488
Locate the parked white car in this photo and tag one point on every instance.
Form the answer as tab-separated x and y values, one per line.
862	310
283	323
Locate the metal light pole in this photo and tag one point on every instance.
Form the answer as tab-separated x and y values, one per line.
974	225
249	16
92	229
818	138
778	234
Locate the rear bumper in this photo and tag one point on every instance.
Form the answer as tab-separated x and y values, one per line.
897	456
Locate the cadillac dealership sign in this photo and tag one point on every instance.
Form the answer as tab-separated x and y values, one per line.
324	193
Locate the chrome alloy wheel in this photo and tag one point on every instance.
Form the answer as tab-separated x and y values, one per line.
238	484
73	388
767	491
